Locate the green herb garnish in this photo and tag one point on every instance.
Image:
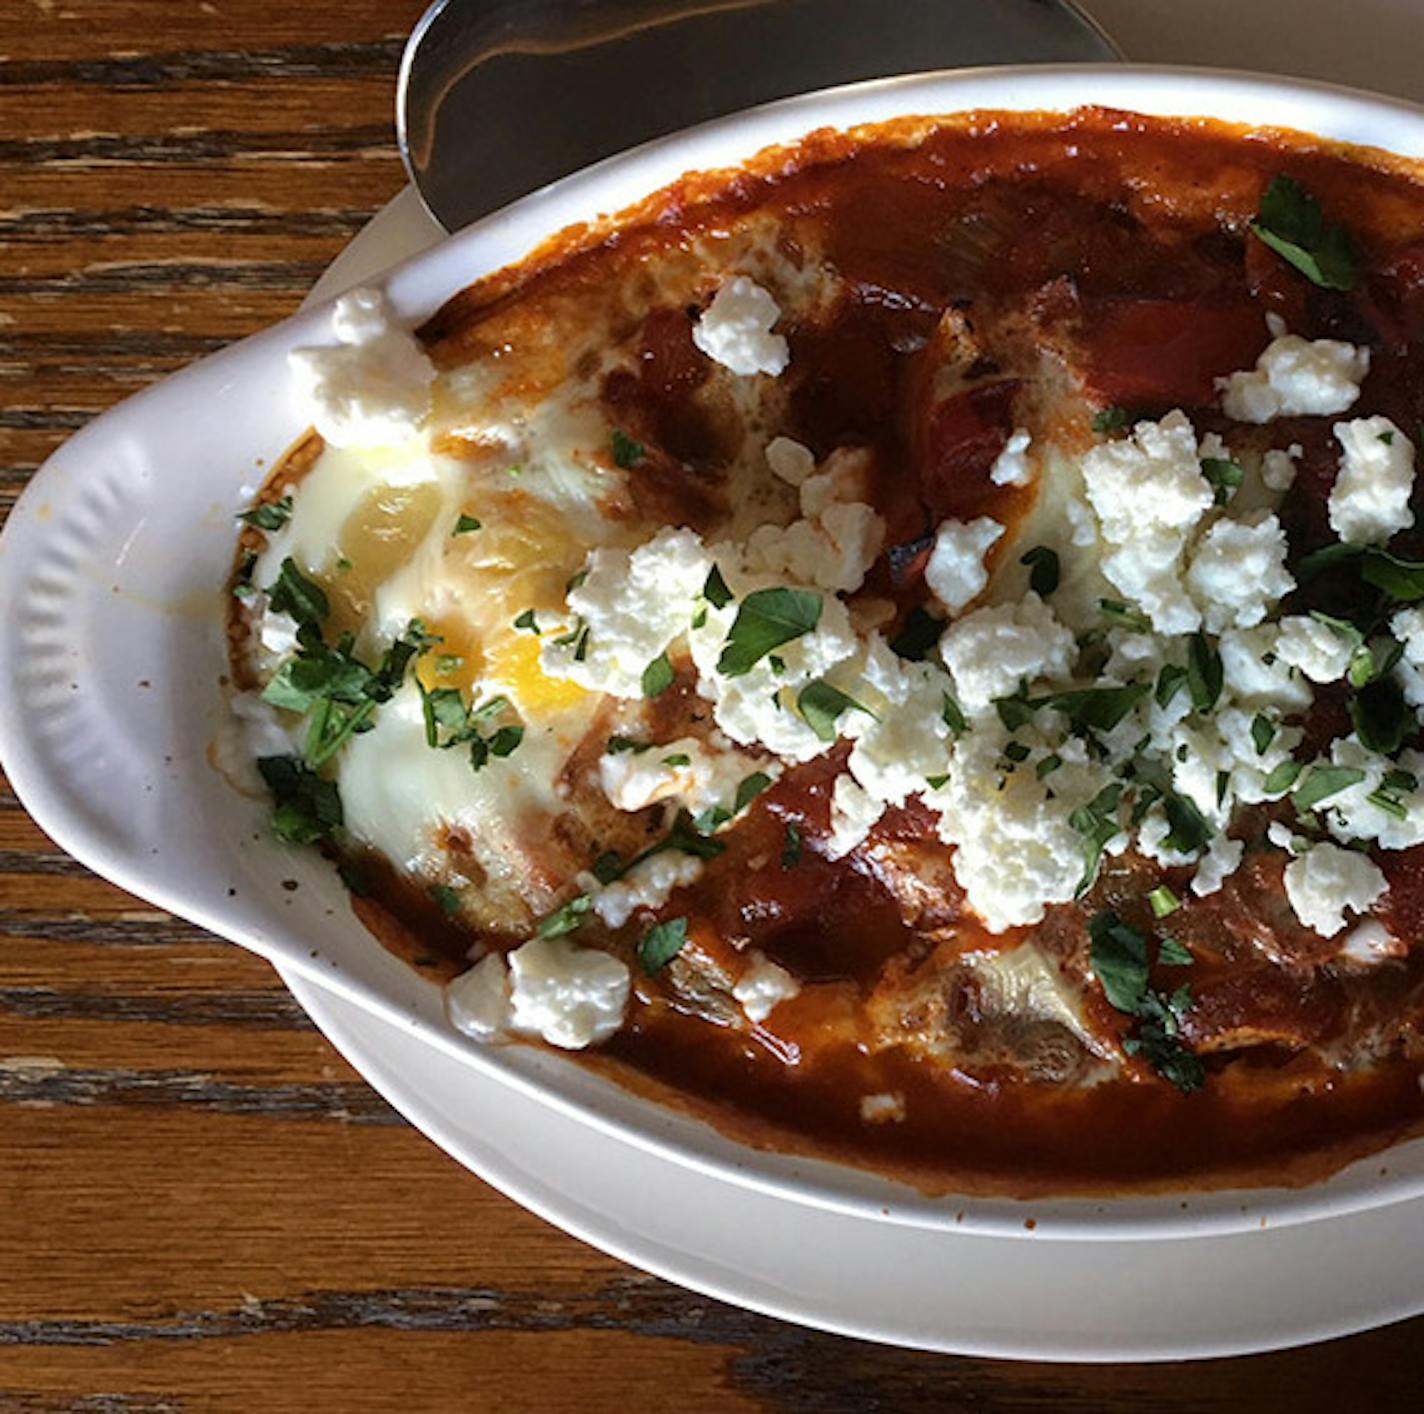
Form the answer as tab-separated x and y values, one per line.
765	620
1204	673
663	943
822	705
1224	475
627	451
308	806
920	633
658	676
1043	567
791	846
1110	419
1291	222
271	515
1323	782
464	525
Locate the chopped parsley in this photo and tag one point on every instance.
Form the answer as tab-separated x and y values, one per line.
308	806
1263	733
1323	782
293	593
822	706
1171	953
1291	222
1043	569
566	919
1170	681
1164	902
713	818
527	622
1119	957
1122	615
1204	673
663	943
1279	780
953	715
791	846
1110	419
765	620
270	515
1097	823
464	525
1188	830
658	676
715	591
627	451
919	633
678	758
1224	475
446	898
1381	716
617	745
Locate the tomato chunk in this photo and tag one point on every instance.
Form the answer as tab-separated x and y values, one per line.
1159	352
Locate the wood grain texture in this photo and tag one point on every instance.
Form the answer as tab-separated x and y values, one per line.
201	1206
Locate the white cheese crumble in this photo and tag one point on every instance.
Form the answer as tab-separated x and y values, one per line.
1222	859
989	652
1149	493
1370	498
571	996
477	1001
763	987
371	388
955	572
1320	652
648	885
1278	467
1295	377
632	604
735	329
1408	627
1016	850
854	812
1238	571
687	770
1326	882
790	460
1011	467
1350	814
839	536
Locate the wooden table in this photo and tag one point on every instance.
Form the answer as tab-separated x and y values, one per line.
201	1205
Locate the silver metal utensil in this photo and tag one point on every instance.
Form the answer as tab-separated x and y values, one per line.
499	97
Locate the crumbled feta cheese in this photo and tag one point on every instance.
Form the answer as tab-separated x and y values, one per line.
1370	498
1238	571
1148	493
1278	468
1256	675
1294	377
955	571
735	329
278	637
1222	858
571	996
1152	841
842	478
907	740
763	987
1319	651
1371	942
647	885
839	536
1011	467
1326	881
790	460
1015	848
633	606
1283	837
477	1001
1350	814
990	651
690	771
372	387
1407	626
854	812
888	1107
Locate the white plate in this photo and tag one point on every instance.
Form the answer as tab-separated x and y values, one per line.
1034	1299
110	646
